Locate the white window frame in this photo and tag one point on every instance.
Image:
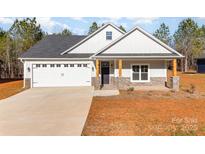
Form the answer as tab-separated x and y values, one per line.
131	73
110	35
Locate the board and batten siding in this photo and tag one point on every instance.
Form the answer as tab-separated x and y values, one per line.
136	42
97	42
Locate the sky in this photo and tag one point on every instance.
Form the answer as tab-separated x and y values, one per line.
80	25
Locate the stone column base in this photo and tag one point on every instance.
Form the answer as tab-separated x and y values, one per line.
96	82
27	83
175	83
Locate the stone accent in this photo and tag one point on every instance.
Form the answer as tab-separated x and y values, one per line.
175	83
96	82
124	82
27	83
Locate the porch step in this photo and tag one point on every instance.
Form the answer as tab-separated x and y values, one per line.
106	92
108	87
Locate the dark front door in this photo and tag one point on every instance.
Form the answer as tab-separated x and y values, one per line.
105	72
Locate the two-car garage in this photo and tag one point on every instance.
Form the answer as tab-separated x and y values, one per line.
61	74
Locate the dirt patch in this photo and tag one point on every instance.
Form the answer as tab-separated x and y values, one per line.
146	114
151	112
10	88
189	79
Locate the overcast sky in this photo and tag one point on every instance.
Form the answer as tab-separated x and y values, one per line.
80	25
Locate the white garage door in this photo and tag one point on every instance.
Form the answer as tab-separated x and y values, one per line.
61	75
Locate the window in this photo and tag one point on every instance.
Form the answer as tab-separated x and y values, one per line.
65	65
136	72
79	65
85	65
52	65
109	35
71	65
140	73
58	65
144	72
38	65
44	65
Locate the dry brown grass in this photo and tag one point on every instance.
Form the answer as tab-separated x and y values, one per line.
151	113
10	88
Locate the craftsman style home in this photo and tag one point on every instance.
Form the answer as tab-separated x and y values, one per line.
108	58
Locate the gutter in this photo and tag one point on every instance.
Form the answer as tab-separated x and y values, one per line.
137	57
53	59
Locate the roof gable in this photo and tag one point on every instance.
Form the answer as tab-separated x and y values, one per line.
95	41
138	42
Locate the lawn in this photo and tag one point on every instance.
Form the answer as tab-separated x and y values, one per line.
10	88
151	112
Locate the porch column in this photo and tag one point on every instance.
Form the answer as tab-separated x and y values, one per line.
120	67
97	68
174	78
174	67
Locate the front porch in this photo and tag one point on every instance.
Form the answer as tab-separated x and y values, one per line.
139	74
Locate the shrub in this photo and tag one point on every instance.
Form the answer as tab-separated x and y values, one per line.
130	89
192	89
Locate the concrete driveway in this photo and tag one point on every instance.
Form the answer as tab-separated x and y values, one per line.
46	111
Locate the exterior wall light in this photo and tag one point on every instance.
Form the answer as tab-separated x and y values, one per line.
28	69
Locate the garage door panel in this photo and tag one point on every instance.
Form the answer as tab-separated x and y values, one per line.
61	76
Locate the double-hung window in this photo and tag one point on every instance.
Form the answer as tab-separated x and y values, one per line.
140	73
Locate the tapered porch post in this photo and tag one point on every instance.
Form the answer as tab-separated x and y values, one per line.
120	67
174	67
174	78
97	68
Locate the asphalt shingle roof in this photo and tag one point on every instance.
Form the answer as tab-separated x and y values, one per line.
53	45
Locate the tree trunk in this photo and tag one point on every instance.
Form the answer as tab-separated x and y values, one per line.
182	65
8	63
186	64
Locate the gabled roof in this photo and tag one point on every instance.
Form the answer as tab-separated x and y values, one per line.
174	53
91	35
52	45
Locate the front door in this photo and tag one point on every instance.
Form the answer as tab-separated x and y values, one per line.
105	72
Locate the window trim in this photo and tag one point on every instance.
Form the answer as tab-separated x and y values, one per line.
109	35
139	81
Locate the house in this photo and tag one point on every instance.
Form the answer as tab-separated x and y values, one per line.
200	63
108	57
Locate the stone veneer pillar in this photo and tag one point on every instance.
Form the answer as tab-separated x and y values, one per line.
175	83
27	83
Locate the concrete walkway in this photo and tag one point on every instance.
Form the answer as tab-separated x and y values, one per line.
152	88
106	92
46	111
